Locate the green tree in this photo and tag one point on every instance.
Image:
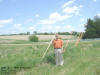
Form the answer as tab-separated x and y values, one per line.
28	33
92	28
74	33
45	33
35	32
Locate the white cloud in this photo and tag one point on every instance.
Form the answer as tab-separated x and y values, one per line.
31	28
46	28
94	0
98	14
72	10
55	28
4	22
45	21
79	29
50	28
68	3
82	25
18	26
68	26
55	17
37	15
62	28
82	19
29	21
82	22
81	6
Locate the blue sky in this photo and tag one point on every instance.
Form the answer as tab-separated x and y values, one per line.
17	16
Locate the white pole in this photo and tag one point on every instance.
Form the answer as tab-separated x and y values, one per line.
79	38
48	47
67	42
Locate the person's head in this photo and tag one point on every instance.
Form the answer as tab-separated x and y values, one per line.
57	36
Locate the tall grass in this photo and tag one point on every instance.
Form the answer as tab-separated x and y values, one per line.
81	60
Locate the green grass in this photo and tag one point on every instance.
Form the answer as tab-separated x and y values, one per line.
22	42
10	41
81	60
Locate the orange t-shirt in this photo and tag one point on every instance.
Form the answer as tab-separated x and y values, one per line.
57	43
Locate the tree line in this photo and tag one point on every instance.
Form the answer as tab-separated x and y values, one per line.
92	28
47	33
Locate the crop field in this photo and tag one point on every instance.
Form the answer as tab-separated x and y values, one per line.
41	37
22	57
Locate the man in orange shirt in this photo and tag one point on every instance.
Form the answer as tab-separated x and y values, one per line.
58	45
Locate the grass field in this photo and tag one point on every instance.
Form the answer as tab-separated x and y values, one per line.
26	59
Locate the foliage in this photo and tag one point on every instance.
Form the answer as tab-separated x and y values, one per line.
75	33
63	33
92	28
28	33
33	38
35	32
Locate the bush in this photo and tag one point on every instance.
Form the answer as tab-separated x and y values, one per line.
33	38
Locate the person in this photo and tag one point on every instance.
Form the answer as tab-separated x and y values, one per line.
58	45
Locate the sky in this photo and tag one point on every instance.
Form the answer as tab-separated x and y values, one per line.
19	16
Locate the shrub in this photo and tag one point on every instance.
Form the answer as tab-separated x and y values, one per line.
33	38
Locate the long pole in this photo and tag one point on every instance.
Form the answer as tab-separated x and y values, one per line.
48	47
79	38
67	42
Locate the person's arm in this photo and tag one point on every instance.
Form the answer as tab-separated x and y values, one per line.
62	46
53	42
